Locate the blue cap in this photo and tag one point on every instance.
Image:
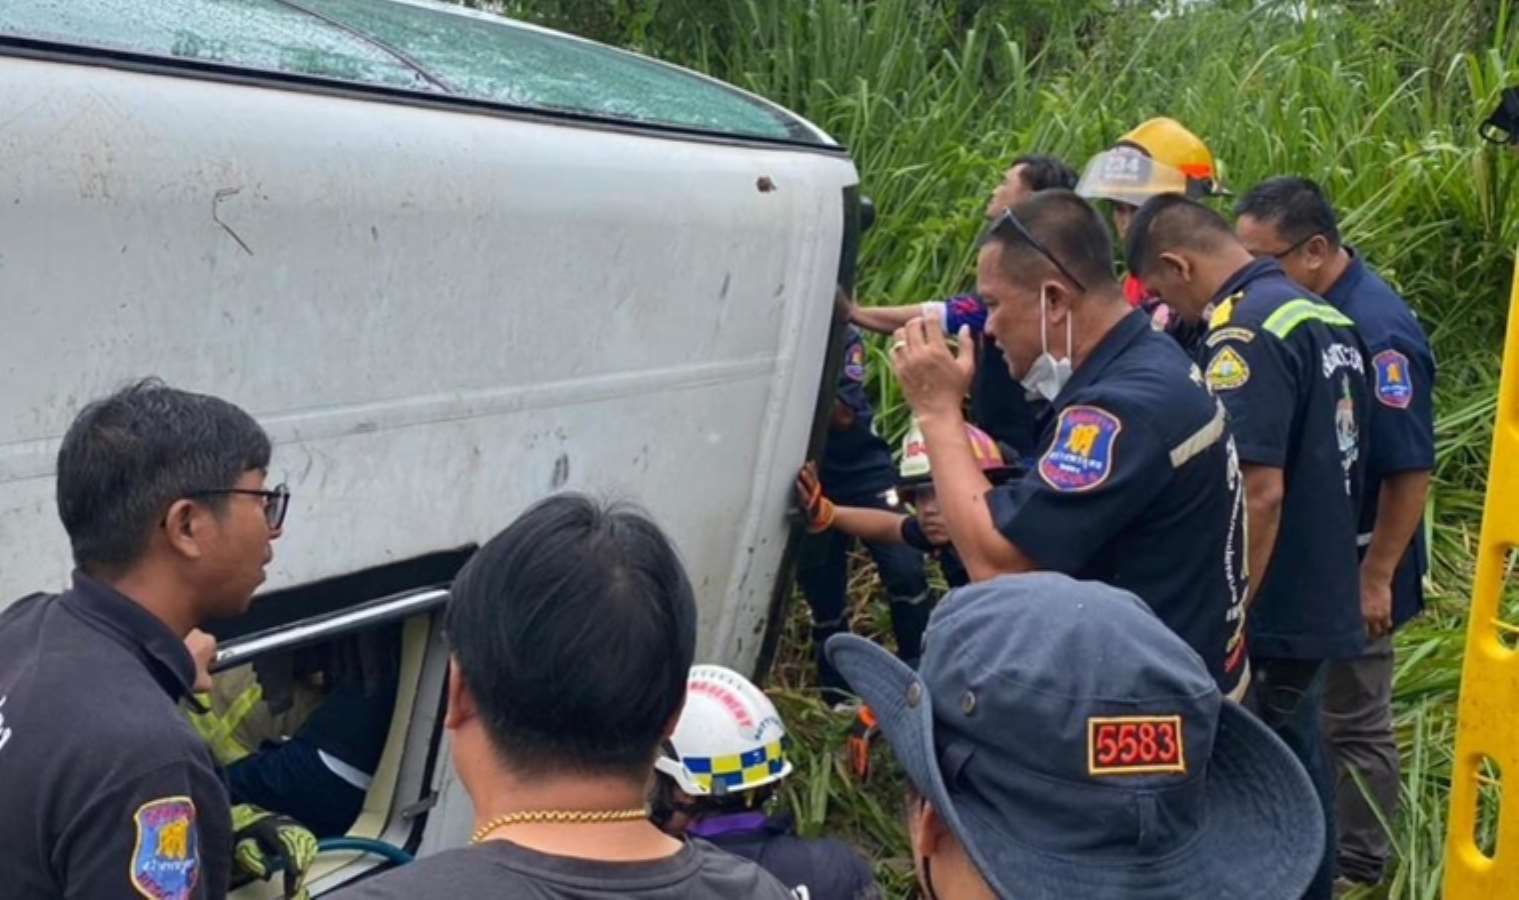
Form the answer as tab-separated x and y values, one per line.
1077	747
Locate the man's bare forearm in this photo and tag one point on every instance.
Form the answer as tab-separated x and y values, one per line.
884	319
874	525
1400	504
1263	516
961	488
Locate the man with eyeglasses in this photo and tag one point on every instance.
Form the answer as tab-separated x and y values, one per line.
1289	219
108	792
1291	369
1137	483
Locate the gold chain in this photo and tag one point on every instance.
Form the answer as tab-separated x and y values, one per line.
558	816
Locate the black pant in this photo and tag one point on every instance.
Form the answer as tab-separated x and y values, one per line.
1289	698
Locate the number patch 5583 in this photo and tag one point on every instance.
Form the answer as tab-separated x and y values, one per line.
1135	745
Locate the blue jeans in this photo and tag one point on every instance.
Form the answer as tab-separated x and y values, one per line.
1289	698
823	575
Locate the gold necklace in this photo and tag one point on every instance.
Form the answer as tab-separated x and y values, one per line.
559	816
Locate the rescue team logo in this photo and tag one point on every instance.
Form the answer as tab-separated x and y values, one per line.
1394	386
1227	371
166	860
854	362
1081	457
1347	434
1135	745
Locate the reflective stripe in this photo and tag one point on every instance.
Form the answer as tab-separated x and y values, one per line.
355	777
1204	438
1295	312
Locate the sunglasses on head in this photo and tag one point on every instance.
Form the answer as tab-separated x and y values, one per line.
1007	225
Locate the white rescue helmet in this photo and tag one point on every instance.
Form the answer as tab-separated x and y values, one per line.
728	738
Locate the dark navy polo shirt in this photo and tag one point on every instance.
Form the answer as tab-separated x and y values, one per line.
1290	369
999	405
1402	373
107	791
857	464
1138	486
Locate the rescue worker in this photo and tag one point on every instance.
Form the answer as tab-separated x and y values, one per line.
1137	483
1158	156
1290	369
1060	742
1290	220
997	404
925	528
719	770
571	636
164	498
857	470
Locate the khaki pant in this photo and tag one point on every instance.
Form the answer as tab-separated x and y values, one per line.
1357	723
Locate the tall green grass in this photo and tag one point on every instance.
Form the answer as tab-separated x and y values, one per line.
1378	101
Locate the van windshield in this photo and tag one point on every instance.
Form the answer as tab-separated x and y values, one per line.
411	45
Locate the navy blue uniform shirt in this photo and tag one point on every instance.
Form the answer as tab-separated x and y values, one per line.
856	463
1138	486
106	790
827	869
1402	374
1290	369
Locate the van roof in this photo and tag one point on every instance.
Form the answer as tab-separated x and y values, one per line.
412	46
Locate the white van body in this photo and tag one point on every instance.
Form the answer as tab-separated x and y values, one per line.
442	309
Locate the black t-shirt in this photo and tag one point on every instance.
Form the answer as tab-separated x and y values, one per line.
1290	369
698	871
106	790
1402	375
1138	486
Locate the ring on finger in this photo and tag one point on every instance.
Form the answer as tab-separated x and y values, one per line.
898	346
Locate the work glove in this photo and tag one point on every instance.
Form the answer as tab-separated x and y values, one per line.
817	509
862	734
264	842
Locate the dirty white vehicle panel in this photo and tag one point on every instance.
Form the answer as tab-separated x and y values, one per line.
444	296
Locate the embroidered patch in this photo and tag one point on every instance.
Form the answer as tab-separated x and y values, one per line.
1395	386
1224	310
166	861
1135	745
1082	455
854	362
1227	371
1231	333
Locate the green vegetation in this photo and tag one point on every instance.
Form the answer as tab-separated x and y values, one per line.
1379	101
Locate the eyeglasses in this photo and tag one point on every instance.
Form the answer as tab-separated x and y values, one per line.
1007	221
1283	254
276	501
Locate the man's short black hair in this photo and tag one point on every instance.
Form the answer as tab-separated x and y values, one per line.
574	630
127	457
1169	222
1296	207
1068	227
1044	173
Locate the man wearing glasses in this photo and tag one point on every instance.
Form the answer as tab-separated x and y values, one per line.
109	792
1290	220
1137	483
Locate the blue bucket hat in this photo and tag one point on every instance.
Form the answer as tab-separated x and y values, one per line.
1076	747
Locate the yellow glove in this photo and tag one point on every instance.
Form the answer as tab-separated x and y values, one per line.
264	842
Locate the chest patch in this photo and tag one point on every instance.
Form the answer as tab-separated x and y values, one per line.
166	860
1081	457
1394	386
1228	370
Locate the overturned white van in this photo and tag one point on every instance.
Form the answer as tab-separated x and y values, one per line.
453	264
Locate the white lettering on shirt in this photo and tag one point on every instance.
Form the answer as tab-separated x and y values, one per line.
5	733
1342	356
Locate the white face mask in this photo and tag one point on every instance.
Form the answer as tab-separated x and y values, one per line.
1045	378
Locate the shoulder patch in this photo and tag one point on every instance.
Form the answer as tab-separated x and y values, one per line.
1081	458
854	361
1231	333
1227	371
166	861
1395	386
